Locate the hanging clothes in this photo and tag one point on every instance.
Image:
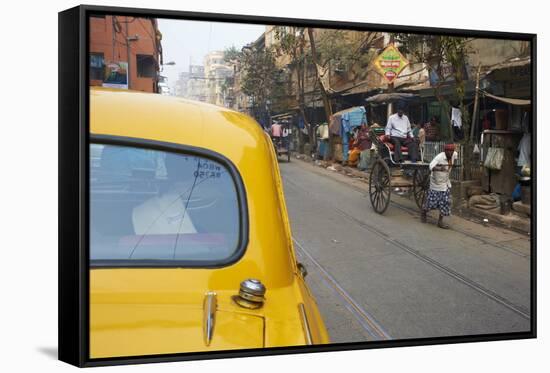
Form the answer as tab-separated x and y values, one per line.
345	143
354	117
322	131
524	150
323	148
456	117
350	119
335	124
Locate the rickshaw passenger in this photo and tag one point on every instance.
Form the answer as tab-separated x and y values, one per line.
399	130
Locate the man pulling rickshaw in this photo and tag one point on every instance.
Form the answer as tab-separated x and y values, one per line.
439	193
280	135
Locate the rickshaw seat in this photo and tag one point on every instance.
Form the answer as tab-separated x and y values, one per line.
386	140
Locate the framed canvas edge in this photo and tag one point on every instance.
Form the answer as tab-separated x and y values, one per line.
73	106
71	158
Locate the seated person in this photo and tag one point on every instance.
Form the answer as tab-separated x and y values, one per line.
399	130
167	213
421	135
431	129
363	138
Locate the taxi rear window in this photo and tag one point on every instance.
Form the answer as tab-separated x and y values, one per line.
160	208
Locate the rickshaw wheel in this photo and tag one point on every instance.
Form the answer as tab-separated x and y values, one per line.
380	186
421	183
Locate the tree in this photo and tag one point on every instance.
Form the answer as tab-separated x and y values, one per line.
232	55
347	51
435	51
291	43
260	77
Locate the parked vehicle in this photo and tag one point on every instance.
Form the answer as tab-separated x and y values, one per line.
190	243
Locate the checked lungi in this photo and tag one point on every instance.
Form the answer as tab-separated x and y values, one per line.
439	200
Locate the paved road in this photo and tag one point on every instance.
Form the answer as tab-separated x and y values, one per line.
378	277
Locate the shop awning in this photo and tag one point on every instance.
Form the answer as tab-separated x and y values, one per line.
350	110
391	97
514	62
282	116
511	101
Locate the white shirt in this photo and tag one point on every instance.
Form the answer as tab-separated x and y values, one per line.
398	126
439	180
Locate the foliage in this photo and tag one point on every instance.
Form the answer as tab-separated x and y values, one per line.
346	50
232	55
291	43
260	78
436	51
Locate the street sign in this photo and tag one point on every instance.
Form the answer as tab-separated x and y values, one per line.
390	63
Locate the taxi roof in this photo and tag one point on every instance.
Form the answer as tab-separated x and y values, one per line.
171	119
237	137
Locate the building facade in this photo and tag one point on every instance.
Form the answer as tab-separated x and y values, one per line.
180	86
216	73
125	52
196	84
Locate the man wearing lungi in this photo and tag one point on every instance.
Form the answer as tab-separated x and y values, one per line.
439	194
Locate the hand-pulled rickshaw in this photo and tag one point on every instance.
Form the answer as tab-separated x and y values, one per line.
282	147
386	174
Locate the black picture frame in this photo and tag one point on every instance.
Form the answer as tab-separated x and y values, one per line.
74	139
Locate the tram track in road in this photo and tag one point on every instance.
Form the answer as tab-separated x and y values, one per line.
472	284
414	213
364	318
468	234
518	309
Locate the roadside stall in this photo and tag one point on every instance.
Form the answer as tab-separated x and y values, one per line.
341	128
506	152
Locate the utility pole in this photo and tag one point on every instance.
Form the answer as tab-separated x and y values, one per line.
128	53
476	105
114	38
390	87
324	94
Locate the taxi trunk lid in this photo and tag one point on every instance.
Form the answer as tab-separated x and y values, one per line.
142	318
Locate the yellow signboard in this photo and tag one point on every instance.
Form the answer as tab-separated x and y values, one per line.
390	63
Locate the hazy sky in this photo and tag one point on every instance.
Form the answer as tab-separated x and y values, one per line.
182	40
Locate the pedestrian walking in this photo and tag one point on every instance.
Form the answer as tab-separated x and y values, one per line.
439	194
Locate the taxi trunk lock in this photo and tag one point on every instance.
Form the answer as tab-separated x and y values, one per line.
251	294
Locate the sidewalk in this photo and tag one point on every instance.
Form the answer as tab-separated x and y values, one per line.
512	221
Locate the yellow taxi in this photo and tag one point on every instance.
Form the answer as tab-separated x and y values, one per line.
190	243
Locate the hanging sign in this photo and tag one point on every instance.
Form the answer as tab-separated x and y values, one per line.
390	63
